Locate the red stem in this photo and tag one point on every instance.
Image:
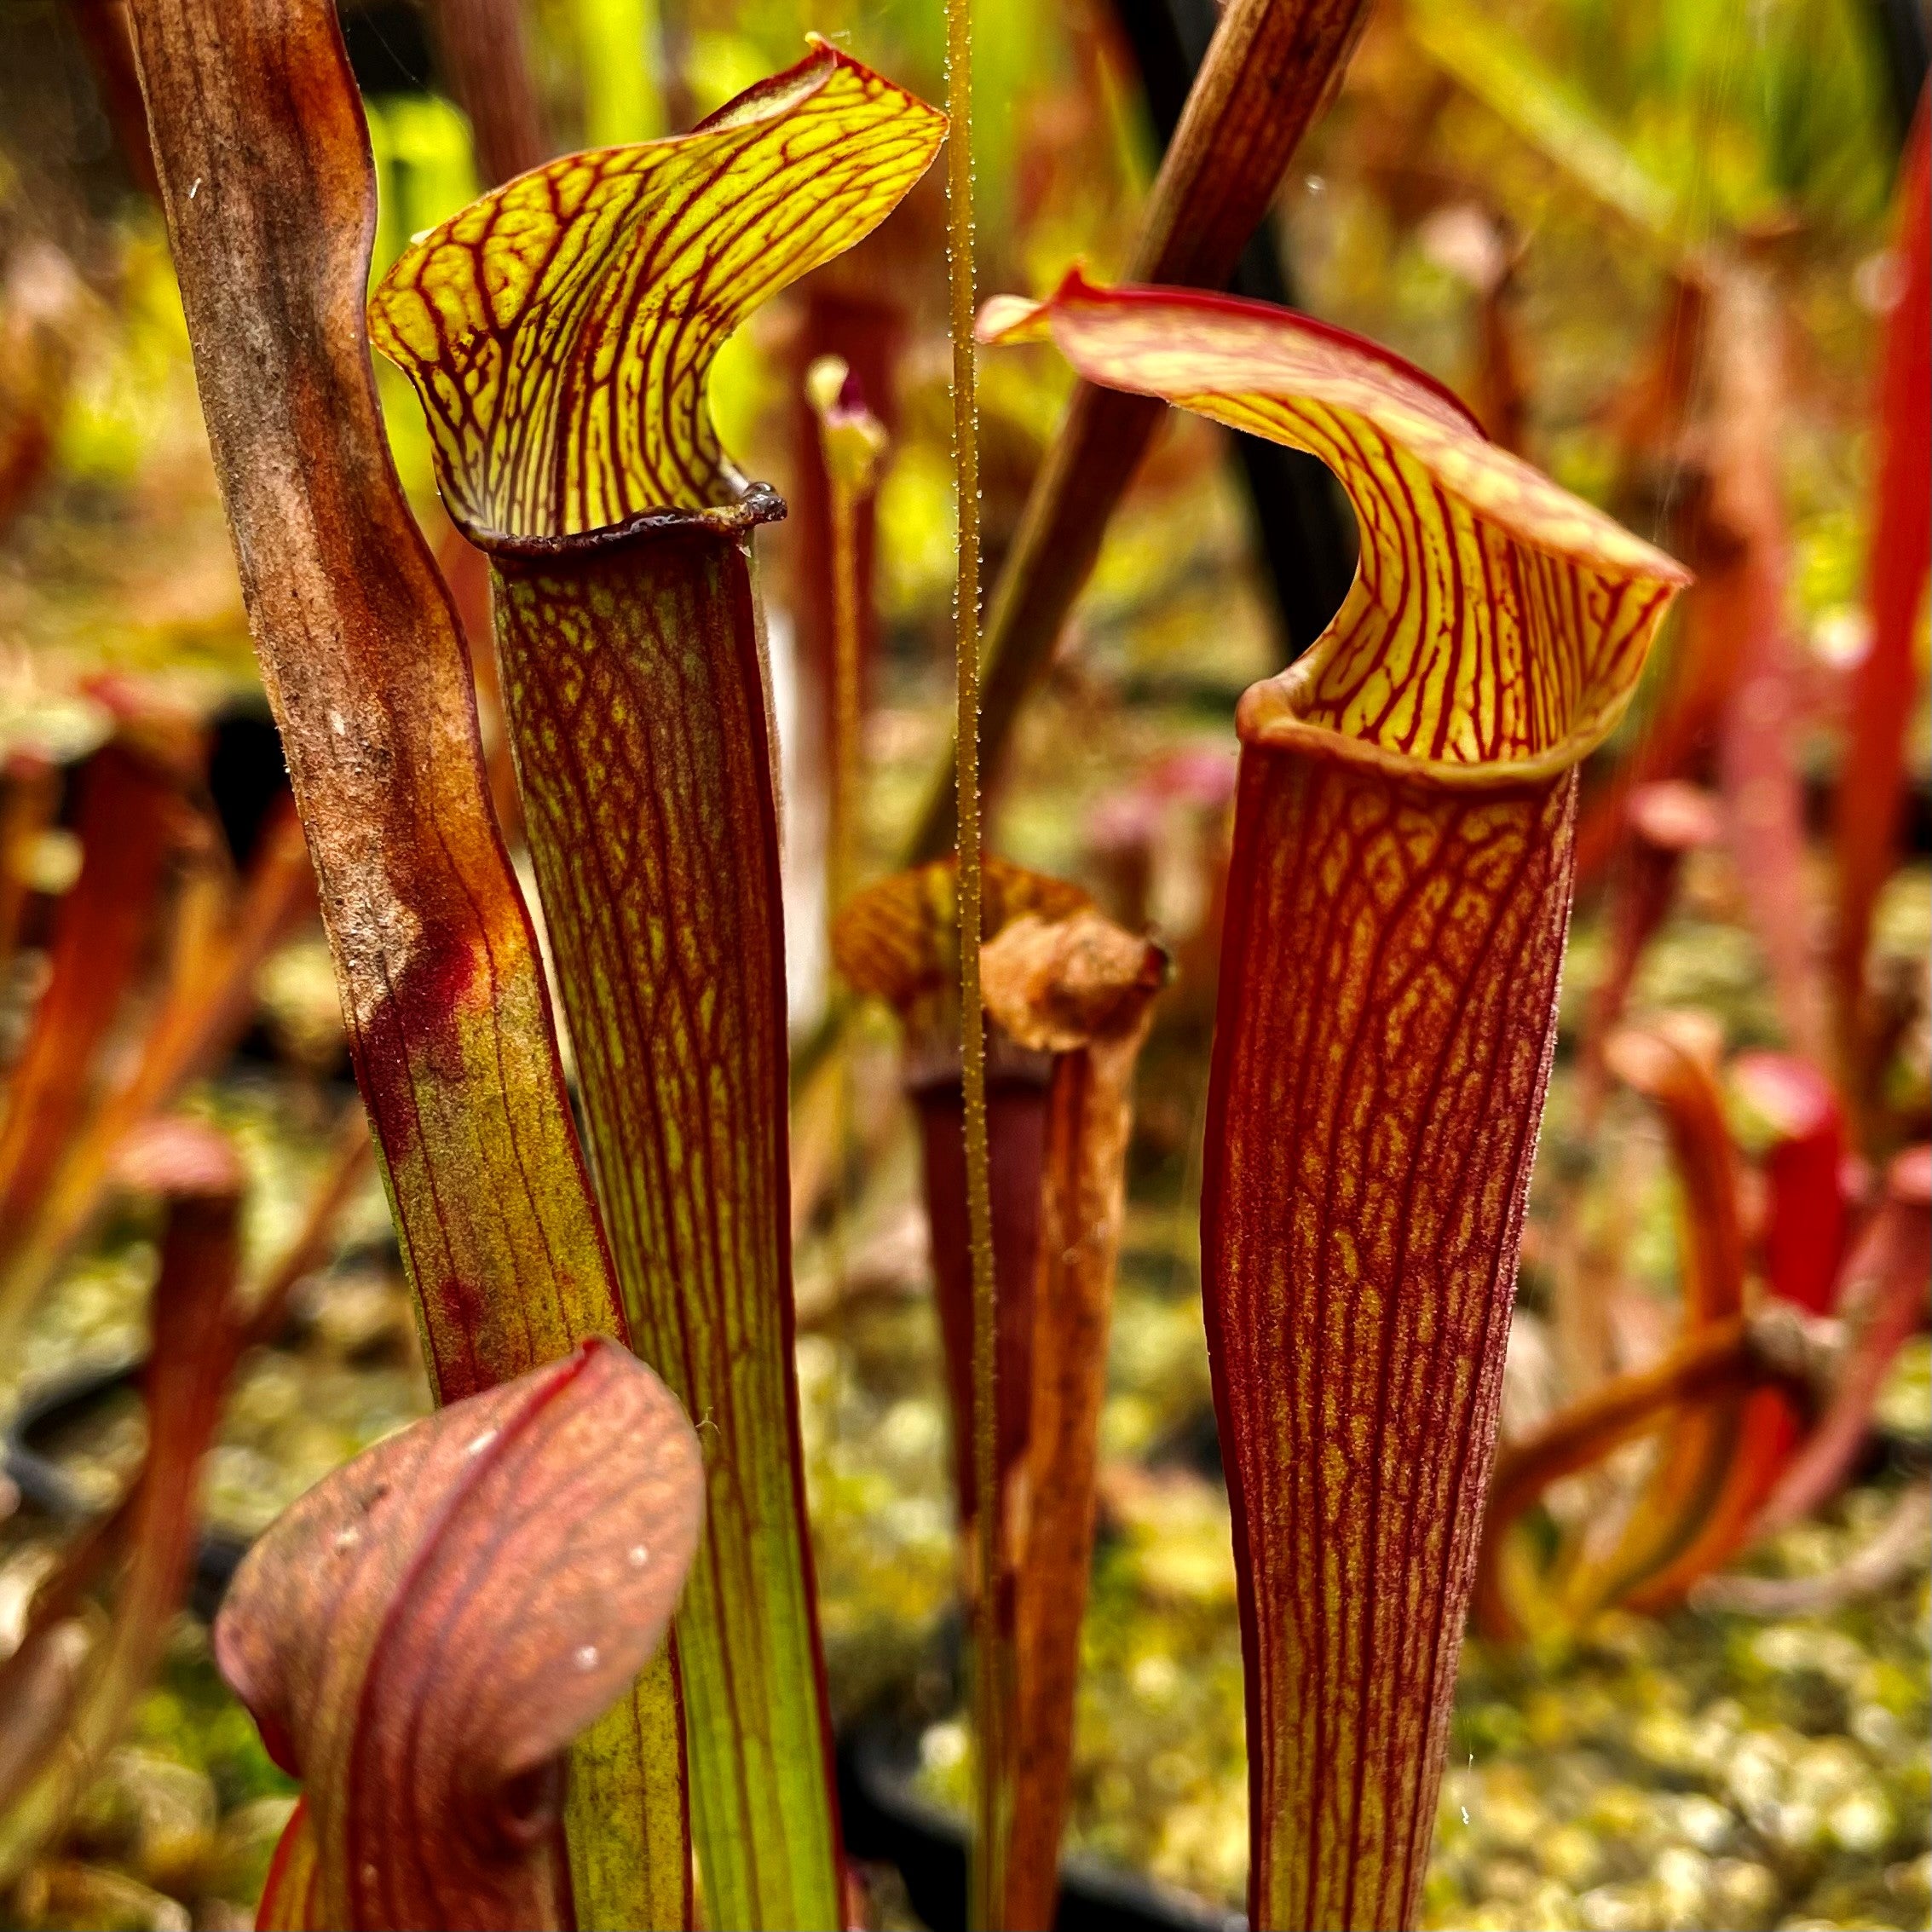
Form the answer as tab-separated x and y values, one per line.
1017	1104
1884	687
128	827
1891	1265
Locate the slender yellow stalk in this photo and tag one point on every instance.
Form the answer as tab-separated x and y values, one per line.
988	1703
844	693
842	854
852	441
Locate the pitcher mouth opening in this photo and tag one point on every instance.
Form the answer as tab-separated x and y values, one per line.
758	503
1273	716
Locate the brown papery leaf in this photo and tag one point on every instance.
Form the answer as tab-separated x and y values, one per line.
1060	986
1081	988
898	940
422	1635
1066	995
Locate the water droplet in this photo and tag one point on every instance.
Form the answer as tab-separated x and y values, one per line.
348	1539
587	1657
477	1445
639	1556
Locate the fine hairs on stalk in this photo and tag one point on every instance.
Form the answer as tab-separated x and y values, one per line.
988	1708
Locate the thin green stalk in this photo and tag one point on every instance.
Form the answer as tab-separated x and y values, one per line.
842	866
842	856
850	442
988	1705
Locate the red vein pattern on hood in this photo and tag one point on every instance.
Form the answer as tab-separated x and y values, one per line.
1398	900
559	332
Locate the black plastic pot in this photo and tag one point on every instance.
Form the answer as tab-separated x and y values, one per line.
887	1822
46	1487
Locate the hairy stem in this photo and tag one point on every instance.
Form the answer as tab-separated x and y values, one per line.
1270	70
988	1700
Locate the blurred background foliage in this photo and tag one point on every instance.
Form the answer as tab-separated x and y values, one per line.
1708	1769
